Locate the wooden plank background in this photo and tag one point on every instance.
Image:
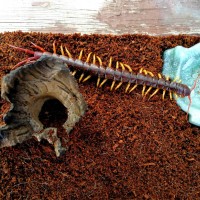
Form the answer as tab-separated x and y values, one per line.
155	17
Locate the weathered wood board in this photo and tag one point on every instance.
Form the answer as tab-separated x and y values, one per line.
155	17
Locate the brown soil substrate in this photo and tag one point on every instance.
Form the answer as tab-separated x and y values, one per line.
123	148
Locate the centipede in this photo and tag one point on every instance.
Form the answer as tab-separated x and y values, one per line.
122	73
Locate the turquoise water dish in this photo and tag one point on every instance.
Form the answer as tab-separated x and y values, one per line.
183	64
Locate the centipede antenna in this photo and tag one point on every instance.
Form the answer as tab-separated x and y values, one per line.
23	62
62	50
38	47
68	53
27	51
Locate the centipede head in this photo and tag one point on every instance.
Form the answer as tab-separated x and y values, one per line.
35	54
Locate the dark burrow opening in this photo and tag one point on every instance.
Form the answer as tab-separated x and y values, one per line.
53	114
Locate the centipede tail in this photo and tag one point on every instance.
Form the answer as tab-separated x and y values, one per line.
121	73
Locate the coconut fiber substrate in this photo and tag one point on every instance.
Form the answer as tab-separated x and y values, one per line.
124	147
